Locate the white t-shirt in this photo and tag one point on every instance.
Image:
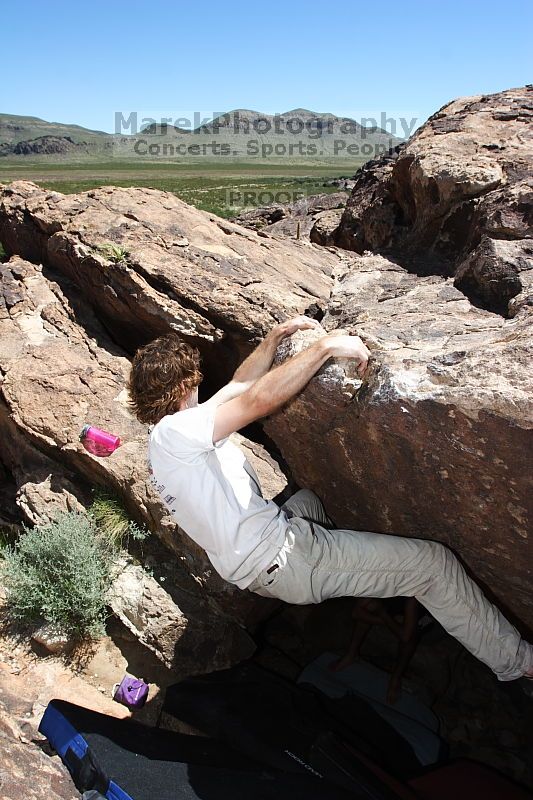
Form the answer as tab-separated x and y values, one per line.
214	495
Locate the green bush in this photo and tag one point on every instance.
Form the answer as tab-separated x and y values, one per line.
59	572
113	521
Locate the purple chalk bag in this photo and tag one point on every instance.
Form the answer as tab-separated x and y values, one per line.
131	692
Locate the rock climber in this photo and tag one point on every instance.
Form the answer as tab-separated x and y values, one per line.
292	552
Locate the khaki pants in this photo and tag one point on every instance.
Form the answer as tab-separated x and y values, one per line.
316	563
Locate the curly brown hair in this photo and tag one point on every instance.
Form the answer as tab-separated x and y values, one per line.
163	372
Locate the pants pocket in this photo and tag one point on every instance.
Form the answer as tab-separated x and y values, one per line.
265	580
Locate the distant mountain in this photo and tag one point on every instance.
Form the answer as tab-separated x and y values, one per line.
296	136
243	119
23	136
14	128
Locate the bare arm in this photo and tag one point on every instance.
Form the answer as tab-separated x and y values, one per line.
274	389
260	360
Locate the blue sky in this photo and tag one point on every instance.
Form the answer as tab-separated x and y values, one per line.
81	62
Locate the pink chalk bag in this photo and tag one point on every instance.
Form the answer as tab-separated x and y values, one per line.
99	442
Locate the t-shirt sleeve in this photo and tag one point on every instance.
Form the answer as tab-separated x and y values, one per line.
188	435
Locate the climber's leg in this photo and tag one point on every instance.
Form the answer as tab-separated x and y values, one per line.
316	564
360	563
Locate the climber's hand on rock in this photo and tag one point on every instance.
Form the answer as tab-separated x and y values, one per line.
299	323
343	346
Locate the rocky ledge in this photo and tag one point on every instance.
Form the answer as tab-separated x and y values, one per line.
456	200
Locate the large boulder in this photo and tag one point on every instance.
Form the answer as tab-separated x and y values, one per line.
436	440
463	181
